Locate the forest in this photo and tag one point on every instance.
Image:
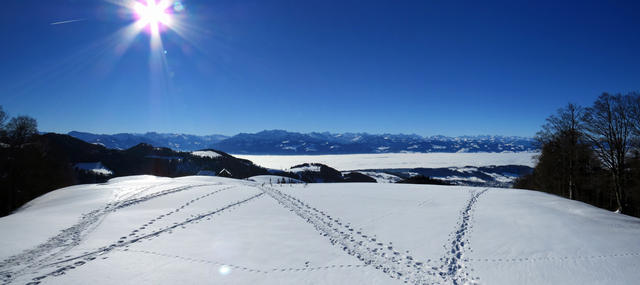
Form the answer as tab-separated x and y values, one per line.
592	154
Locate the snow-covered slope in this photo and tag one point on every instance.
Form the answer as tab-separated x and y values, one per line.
212	230
380	177
206	153
273	179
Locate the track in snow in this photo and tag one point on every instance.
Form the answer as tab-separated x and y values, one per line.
248	269
73	262
140	231
42	255
72	236
367	248
454	270
383	256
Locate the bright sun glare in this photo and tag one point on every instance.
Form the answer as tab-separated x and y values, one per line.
154	14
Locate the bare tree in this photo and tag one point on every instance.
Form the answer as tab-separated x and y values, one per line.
21	128
3	118
635	107
609	126
564	130
566	119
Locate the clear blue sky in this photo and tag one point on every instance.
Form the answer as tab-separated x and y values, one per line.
425	67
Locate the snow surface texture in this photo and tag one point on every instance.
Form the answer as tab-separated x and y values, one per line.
206	153
395	160
213	230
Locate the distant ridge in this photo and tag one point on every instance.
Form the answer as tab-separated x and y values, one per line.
181	142
284	142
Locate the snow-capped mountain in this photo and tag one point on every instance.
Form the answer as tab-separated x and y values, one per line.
284	142
182	142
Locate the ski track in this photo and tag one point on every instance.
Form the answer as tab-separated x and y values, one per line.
70	237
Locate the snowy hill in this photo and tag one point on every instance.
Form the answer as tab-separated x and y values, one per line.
197	230
283	142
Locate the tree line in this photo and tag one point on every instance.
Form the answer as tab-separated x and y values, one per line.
592	154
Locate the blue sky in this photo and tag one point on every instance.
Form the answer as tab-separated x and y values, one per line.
424	67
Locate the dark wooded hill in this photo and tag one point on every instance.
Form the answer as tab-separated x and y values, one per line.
51	161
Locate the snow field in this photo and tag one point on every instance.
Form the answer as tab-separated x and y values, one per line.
198	230
552	240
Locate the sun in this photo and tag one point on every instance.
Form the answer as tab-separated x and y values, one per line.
153	14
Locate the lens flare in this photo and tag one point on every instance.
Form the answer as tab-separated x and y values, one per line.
177	6
155	15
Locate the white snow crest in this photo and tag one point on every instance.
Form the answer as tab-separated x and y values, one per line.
206	153
95	167
309	168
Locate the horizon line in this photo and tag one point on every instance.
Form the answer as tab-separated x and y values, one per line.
304	133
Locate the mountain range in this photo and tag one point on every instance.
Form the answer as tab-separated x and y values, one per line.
284	142
173	141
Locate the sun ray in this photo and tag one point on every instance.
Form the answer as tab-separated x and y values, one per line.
155	15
